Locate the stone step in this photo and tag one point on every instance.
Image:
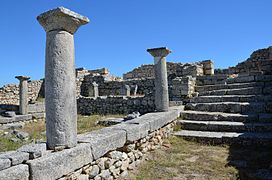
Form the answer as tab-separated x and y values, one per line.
228	86
247	138
228	107
218	116
240	91
232	98
224	126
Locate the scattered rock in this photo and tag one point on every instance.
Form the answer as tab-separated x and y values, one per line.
94	171
132	116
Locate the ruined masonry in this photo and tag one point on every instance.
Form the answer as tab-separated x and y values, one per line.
218	106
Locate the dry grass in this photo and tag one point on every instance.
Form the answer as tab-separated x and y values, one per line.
186	160
36	131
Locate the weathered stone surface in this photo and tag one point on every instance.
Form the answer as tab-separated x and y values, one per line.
16	172
23	108
60	84
4	164
61	18
34	150
161	82
60	163
15	157
94	171
104	140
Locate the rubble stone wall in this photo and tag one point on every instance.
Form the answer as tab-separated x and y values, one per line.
9	94
260	61
173	69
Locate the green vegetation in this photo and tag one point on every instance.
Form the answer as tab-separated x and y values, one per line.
36	131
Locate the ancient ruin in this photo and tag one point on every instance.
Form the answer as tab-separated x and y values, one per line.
218	106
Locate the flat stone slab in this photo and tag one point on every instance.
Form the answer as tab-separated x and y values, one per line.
241	91
57	164
15	172
231	98
16	118
218	116
228	86
15	157
103	140
228	107
225	126
247	138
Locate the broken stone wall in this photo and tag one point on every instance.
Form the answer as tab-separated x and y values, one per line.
260	61
9	94
173	69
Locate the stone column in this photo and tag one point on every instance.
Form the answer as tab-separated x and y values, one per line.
93	90
161	83
125	90
60	25
23	94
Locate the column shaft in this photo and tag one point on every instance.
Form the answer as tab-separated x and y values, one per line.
23	107
161	84
60	90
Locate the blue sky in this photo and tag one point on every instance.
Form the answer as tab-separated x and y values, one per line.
120	31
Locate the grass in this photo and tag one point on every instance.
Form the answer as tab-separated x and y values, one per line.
36	131
186	160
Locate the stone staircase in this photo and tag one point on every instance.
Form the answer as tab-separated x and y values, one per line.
229	113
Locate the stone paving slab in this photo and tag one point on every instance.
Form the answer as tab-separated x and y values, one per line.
225	126
228	86
231	98
15	172
57	164
227	137
241	91
228	107
218	116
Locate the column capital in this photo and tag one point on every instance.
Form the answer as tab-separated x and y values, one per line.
159	52
61	19
22	78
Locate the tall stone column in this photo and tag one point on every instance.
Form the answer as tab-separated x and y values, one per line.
23	94
60	25
161	83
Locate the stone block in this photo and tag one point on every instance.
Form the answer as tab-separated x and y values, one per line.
103	140
55	165
16	172
34	150
15	157
4	164
23	117
134	130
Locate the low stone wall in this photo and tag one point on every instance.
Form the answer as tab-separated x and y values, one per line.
107	153
115	105
9	94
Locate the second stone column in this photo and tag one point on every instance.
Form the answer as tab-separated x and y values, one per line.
60	25
161	82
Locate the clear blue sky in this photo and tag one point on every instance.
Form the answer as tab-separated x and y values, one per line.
120	31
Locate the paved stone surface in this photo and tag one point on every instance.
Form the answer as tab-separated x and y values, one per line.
15	172
60	163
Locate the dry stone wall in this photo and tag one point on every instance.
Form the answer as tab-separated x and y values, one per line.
173	69
9	94
260	61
